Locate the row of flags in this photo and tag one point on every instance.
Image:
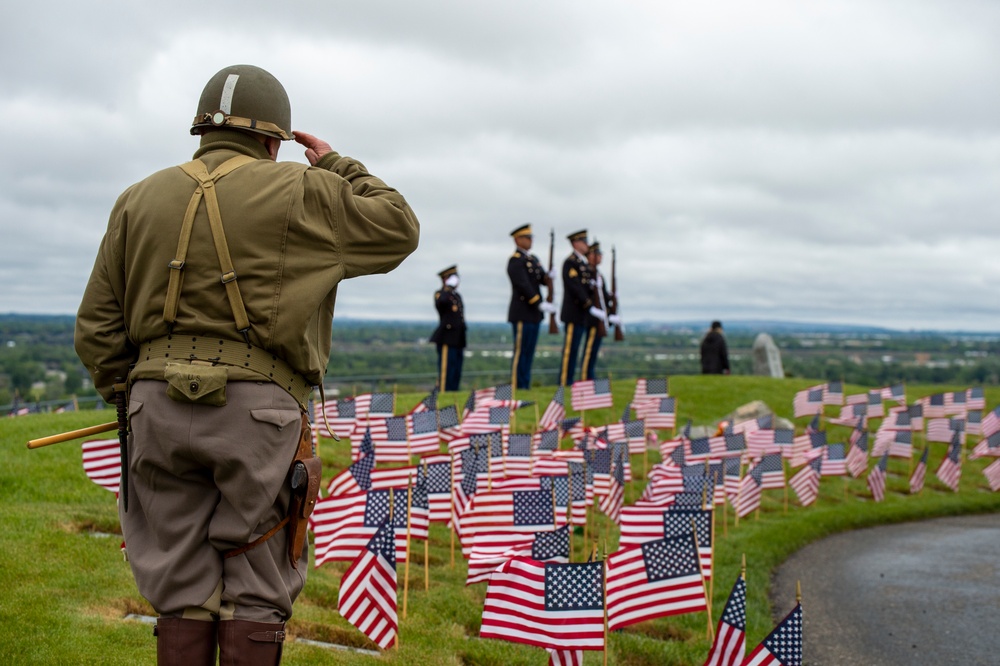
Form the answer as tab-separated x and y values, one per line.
514	497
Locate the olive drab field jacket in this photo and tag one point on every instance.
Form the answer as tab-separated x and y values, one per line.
293	231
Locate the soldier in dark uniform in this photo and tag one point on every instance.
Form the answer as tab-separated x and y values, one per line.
450	333
577	301
527	307
598	318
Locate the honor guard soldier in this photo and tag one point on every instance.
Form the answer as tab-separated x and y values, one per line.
576	304
211	302
527	307
598	318
449	336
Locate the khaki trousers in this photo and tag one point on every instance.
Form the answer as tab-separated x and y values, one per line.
204	480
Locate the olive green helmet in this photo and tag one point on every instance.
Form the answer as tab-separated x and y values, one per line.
245	97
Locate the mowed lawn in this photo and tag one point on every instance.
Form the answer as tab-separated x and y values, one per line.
66	588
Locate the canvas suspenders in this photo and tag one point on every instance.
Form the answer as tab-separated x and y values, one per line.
197	170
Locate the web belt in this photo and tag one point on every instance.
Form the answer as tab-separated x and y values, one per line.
229	352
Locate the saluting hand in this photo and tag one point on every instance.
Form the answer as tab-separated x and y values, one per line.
315	148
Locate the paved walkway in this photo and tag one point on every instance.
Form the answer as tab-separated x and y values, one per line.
908	594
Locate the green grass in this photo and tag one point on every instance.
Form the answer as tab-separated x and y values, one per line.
66	587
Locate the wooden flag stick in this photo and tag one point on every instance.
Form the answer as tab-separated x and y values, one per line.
606	632
454	524
708	601
72	434
406	569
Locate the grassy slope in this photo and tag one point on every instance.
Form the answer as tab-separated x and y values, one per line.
65	587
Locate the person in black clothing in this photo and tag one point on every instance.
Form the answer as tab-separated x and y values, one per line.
576	304
714	355
603	301
450	333
527	307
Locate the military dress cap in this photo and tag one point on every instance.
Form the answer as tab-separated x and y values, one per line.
594	247
448	272
524	230
577	236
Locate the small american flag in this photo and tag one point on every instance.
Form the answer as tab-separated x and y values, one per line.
548	605
834	394
486	555
991	423
992	474
591	394
449	426
656	579
876	478
513	513
955	403
809	401
355	479
896	393
102	462
919	473
650	388
748	495
680	522
806	482
857	456
933	406
555	412
975	398
783	646
422	428
875	408
368	589
730	642
486	419
611	504
988	446
772	471
659	414
950	470
428	404
834	460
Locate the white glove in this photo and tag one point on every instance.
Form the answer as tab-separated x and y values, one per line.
452	281
547	308
553	275
597	312
615	319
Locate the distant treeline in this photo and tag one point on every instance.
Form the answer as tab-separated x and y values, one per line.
37	361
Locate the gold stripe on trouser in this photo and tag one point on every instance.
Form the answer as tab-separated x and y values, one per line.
444	366
517	354
565	359
591	335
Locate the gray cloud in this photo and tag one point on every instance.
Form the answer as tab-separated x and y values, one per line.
831	161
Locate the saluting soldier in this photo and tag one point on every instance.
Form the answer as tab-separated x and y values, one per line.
450	333
598	318
219	372
527	307
577	301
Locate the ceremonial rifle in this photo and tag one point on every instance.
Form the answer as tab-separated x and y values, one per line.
553	326
619	333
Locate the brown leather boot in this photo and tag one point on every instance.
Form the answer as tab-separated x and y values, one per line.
245	643
181	642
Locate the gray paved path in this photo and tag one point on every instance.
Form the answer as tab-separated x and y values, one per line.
908	594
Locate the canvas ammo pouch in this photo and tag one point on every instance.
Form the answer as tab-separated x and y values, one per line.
196	383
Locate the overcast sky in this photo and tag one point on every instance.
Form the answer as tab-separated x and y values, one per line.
811	161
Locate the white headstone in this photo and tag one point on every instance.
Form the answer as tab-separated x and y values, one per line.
767	357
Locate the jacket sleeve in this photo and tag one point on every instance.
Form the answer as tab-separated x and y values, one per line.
101	336
374	226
